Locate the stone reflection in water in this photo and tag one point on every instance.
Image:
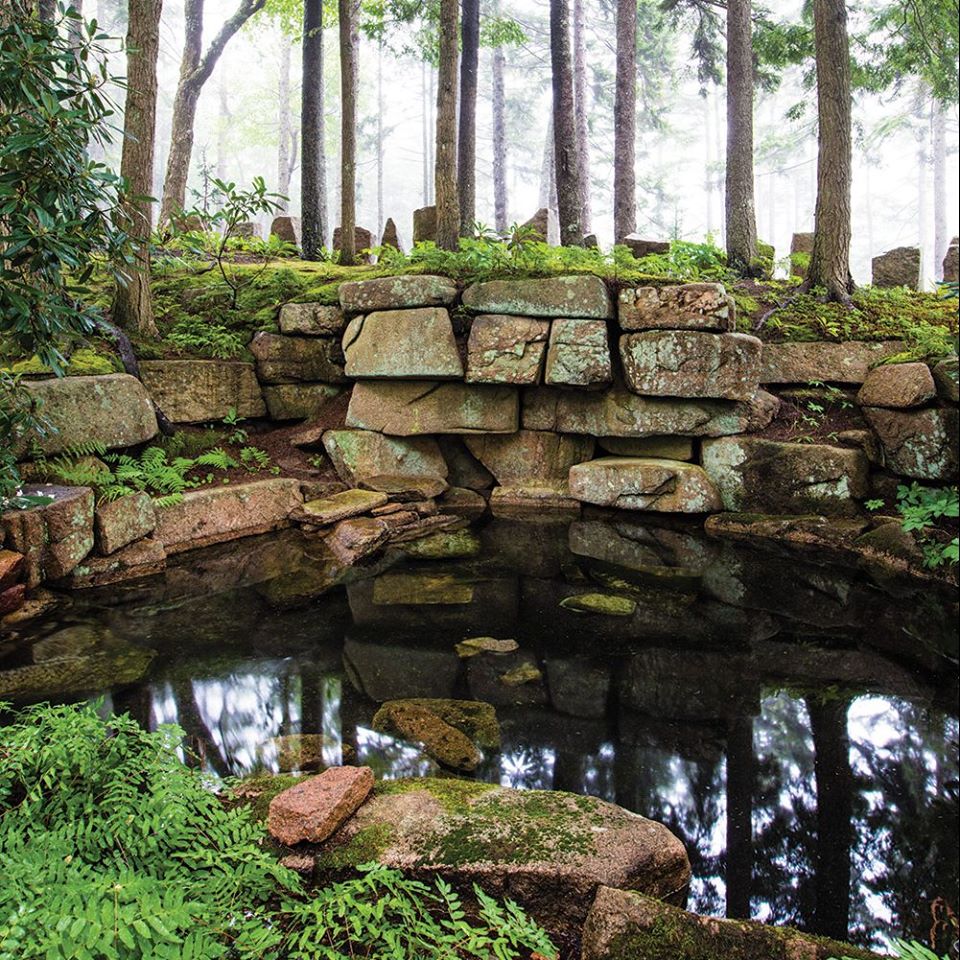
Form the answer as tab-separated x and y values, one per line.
764	706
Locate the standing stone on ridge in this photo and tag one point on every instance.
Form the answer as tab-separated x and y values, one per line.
506	349
391	238
540	224
644	483
425	225
899	267
801	247
286	229
362	238
247	229
571	296
530	456
644	248
396	293
688	306
675	363
590	241
402	345
579	354
951	262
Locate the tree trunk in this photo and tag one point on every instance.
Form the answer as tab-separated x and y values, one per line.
940	239
425	131
195	69
740	783
830	259
499	142
580	106
223	121
132	304
740	215
625	123
75	26
445	169
47	9
380	109
566	148
831	744
313	181
284	124
467	132
349	49
707	165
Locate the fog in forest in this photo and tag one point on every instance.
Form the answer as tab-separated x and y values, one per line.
252	102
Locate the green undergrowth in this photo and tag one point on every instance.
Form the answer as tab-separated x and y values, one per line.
114	849
925	322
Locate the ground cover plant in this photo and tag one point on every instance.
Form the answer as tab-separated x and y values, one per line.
113	848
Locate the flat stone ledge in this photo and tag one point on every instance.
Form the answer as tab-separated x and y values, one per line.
847	362
396	293
576	297
217	514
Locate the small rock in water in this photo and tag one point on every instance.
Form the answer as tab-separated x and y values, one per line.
474	645
447	745
525	673
313	809
600	603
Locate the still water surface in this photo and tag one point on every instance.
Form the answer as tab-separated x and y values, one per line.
791	720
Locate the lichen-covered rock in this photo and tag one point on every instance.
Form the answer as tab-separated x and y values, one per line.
359	454
282	359
679	363
119	522
298	401
533	502
195	391
626	925
216	514
505	349
619	413
899	267
315	808
444	545
528	456
142	558
286	229
765	476
688	306
353	539
669	448
339	506
53	537
918	443
847	362
951	262
947	376
644	483
422	408
113	410
548	850
578	354
571	296
898	385
606	604
396	293
416	723
425	224
311	320
402	345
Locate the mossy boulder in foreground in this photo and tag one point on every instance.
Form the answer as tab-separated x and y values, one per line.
623	925
550	851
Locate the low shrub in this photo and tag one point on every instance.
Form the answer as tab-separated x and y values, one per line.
115	849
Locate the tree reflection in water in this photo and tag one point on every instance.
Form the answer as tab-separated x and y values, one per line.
812	776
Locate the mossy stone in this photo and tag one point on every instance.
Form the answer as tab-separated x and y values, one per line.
602	603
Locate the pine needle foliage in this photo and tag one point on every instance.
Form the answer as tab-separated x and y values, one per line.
113	849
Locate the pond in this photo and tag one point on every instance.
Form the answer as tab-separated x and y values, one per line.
792	720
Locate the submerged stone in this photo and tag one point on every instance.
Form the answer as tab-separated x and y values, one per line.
525	673
418	724
602	603
473	646
444	545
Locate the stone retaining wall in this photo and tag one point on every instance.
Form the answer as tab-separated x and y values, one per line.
527	396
